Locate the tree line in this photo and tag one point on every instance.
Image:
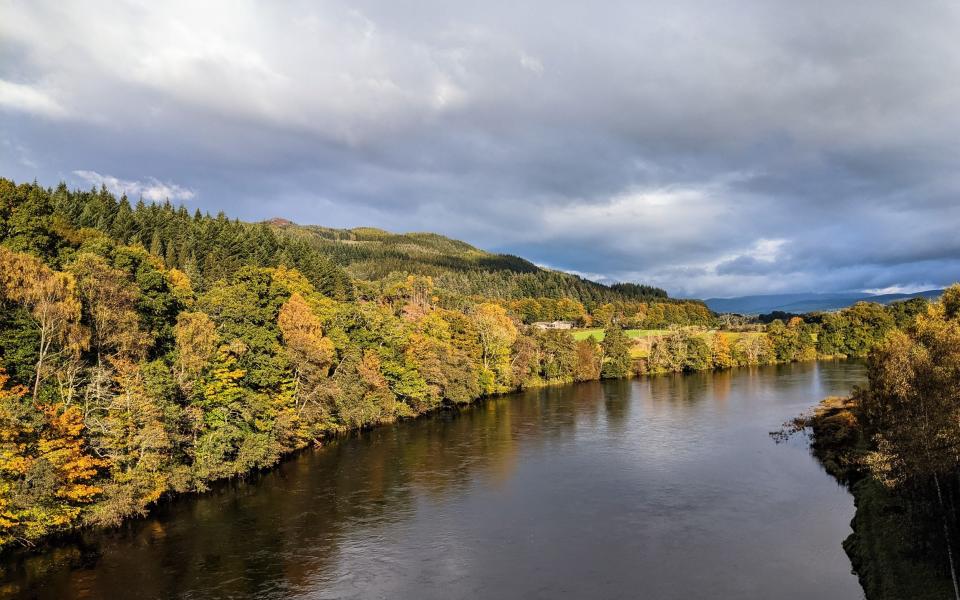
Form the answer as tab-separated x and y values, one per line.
898	440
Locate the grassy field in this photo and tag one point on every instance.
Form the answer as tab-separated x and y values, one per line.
643	338
597	333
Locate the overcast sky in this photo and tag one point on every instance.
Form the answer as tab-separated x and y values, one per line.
711	147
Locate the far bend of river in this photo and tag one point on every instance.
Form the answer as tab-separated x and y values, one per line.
661	487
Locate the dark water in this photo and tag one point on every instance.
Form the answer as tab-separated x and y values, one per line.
668	487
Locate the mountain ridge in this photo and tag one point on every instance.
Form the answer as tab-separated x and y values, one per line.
806	302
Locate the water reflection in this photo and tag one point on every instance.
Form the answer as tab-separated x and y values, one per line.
663	487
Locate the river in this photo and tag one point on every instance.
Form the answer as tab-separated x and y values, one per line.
661	487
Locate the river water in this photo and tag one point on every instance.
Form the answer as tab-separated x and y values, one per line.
661	487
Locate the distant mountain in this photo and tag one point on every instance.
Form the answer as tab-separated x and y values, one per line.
803	303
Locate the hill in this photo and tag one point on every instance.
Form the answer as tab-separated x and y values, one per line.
372	254
804	303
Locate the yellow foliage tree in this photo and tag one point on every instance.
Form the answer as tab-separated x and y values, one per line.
110	298
310	355
196	342
54	305
497	333
46	472
721	355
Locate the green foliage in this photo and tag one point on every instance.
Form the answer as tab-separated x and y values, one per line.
616	354
698	354
19	341
906	311
868	324
558	355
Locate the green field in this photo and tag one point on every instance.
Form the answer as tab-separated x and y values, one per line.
597	333
642	350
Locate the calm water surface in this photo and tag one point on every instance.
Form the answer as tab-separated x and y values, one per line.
667	487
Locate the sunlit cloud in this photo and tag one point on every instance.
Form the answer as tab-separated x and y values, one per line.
29	99
150	189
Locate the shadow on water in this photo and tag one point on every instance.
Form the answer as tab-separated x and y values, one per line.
612	489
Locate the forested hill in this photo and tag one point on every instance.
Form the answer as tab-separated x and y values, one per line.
209	248
373	254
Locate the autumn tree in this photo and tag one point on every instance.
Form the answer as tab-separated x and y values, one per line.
604	315
361	394
669	353
589	360
911	408
109	299
309	352
131	431
497	333
753	350
51	298
557	353
196	342
47	474
721	357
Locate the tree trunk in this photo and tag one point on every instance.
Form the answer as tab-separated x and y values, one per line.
44	346
946	537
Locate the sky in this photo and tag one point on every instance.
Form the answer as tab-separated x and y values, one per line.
713	148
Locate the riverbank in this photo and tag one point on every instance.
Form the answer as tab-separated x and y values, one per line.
55	539
597	489
882	546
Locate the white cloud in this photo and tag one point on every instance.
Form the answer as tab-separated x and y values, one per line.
638	211
447	95
150	189
531	63
903	289
26	98
766	250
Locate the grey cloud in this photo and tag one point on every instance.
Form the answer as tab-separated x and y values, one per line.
747	265
665	142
